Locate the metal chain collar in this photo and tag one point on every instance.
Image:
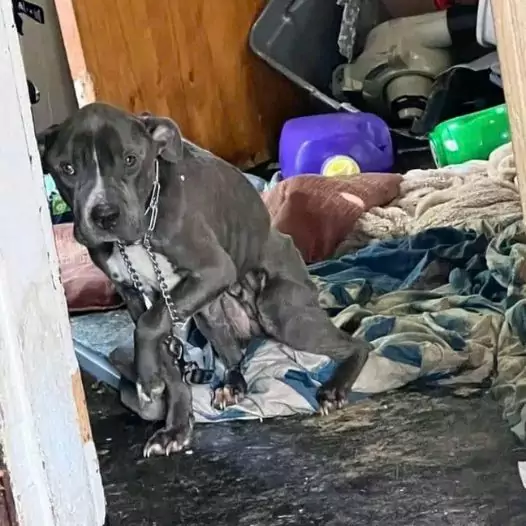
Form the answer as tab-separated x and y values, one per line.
173	341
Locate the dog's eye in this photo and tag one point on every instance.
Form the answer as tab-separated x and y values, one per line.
67	168
130	160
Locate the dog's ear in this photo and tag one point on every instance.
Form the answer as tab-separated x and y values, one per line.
166	135
45	141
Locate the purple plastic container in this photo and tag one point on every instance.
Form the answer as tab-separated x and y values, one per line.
306	143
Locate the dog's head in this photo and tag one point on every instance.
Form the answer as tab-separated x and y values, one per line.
103	162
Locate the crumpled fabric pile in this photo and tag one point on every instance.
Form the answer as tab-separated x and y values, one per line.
479	195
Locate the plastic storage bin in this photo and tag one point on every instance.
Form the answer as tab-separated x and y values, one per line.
299	38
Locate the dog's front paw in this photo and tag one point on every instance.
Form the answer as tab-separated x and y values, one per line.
231	392
168	440
330	399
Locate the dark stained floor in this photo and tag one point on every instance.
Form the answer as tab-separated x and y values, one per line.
401	459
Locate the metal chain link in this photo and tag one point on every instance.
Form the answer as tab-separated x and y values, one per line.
165	291
153	208
131	271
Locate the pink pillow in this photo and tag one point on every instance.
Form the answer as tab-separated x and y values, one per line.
319	212
87	288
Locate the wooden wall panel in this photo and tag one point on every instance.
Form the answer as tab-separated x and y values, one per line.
189	59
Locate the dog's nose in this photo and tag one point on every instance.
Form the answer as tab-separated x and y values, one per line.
105	215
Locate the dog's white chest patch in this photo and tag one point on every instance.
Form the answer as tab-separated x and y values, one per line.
142	264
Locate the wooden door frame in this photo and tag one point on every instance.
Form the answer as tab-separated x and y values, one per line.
44	428
510	29
82	81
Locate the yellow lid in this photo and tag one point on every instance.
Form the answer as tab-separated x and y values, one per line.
340	165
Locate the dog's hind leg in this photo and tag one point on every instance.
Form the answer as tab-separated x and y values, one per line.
290	313
217	327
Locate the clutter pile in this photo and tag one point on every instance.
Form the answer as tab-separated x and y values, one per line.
425	73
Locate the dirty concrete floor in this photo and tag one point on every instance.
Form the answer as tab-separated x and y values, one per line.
400	459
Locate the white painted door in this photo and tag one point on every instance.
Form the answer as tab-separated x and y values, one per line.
44	428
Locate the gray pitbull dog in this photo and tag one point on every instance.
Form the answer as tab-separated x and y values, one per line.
222	261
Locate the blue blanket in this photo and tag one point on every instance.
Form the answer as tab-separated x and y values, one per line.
442	307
